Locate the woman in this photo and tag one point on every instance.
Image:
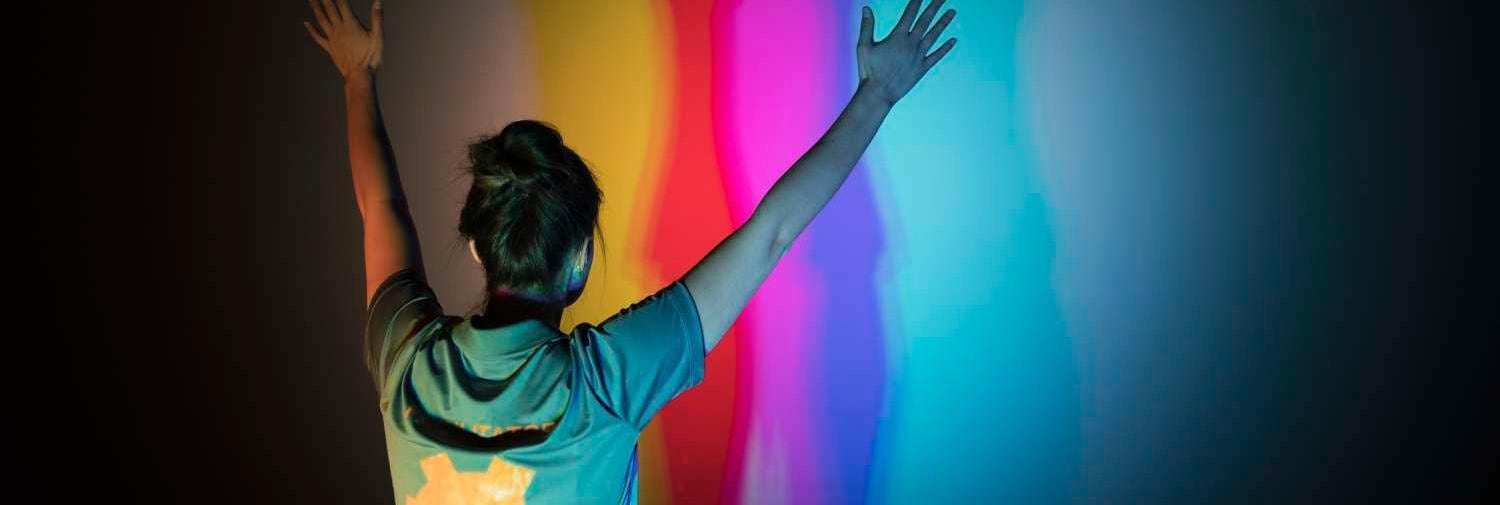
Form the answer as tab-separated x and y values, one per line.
503	407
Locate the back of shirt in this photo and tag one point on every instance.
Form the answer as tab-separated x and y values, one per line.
523	413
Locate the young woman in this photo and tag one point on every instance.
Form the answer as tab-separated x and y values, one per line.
502	406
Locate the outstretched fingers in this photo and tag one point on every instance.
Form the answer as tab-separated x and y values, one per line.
377	19
925	22
937	30
322	17
332	12
867	27
933	58
903	26
322	42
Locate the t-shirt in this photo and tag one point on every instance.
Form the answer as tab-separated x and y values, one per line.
523	413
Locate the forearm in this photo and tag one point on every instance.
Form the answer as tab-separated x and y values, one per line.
723	281
811	182
390	236
372	162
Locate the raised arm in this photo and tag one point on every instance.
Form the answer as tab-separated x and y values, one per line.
723	281
389	234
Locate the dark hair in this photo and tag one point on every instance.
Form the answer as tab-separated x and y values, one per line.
533	202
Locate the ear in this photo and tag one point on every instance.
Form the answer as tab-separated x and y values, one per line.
475	253
586	254
578	271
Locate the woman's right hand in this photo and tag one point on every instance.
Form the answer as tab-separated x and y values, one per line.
352	48
894	65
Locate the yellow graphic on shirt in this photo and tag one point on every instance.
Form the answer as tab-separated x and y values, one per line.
504	483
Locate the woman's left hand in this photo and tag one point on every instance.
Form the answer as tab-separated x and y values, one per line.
352	48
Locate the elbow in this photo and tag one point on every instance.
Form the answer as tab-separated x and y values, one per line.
773	233
779	245
383	203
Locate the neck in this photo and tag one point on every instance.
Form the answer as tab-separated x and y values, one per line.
505	308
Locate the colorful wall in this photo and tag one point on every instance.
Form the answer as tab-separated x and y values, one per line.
1110	251
909	346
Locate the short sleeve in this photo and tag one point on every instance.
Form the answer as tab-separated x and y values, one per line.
645	355
402	306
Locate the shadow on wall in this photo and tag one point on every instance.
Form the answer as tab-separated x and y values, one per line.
984	386
847	369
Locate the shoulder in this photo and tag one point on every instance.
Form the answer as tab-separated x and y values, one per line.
403	313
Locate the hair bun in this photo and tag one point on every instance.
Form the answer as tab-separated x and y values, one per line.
525	153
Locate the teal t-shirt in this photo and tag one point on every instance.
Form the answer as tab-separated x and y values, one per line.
523	413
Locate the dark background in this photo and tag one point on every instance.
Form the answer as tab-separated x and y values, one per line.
202	277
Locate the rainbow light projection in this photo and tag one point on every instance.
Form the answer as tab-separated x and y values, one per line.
909	347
